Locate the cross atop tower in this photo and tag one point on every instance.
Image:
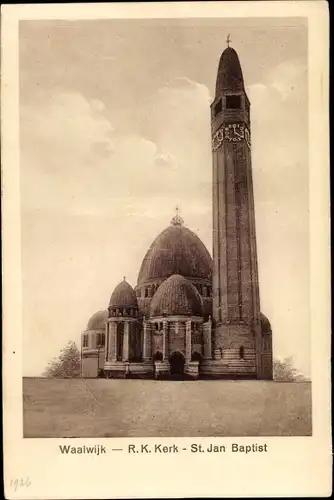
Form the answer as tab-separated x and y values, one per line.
228	40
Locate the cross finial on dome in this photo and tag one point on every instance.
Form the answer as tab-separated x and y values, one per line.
124	278
228	40
177	220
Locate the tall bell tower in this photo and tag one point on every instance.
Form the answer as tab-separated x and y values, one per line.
238	342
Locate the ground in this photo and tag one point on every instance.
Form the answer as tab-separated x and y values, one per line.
142	408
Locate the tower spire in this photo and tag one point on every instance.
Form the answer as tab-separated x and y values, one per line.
236	299
228	40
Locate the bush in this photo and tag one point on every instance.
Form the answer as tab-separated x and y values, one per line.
67	365
284	371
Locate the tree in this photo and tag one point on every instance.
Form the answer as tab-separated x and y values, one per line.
284	371
67	365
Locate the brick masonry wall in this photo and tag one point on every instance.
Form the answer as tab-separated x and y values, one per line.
267	357
231	357
91	363
207	339
230	338
234	336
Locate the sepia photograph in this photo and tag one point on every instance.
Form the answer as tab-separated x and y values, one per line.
164	197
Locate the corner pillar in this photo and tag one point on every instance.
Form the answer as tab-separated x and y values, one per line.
146	341
207	340
112	355
125	356
164	335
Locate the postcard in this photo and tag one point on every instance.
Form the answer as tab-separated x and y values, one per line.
166	269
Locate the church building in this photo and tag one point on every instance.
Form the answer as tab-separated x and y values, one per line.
190	315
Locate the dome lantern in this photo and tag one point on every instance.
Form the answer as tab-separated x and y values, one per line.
177	219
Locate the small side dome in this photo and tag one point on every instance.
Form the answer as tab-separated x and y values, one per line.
97	321
265	324
123	296
176	296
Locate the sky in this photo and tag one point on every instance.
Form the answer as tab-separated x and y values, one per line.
115	132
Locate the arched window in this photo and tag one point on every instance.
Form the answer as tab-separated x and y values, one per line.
241	352
157	326
100	340
233	102
146	292
157	356
196	356
85	340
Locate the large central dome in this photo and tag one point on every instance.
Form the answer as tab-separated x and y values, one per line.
176	250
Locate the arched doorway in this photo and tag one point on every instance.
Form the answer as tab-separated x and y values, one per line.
176	362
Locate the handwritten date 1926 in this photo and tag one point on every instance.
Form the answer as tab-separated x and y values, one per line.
22	482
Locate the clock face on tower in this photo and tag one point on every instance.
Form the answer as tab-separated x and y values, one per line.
234	132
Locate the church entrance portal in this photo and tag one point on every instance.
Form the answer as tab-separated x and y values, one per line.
176	362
